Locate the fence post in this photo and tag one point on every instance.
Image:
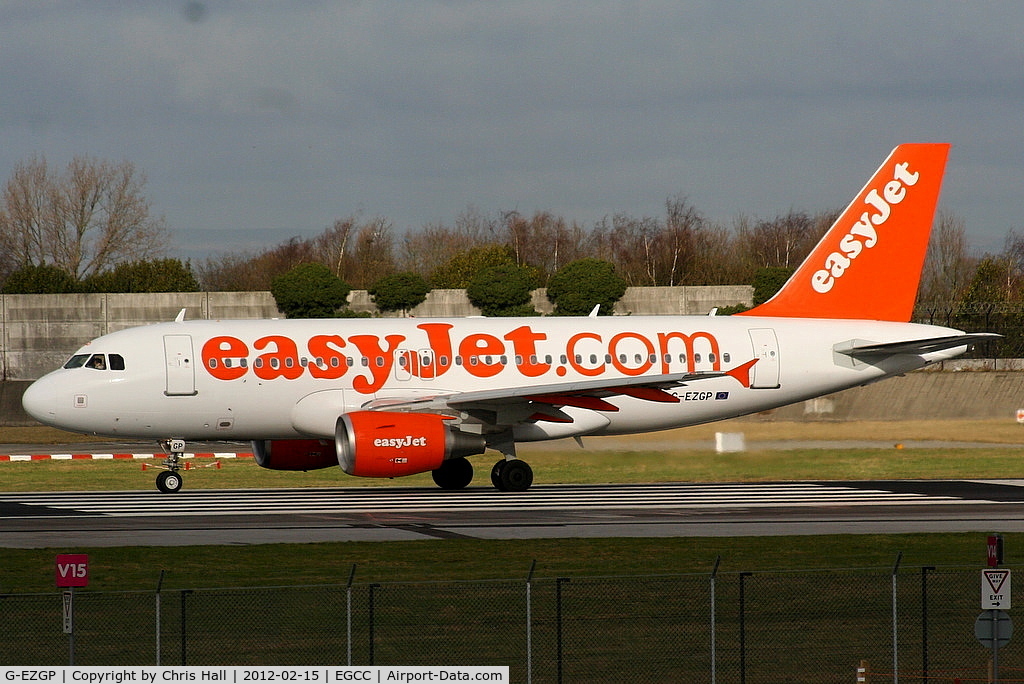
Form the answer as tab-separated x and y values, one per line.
348	614
924	620
863	671
159	586
558	623
372	630
184	595
895	641
714	637
743	627
529	623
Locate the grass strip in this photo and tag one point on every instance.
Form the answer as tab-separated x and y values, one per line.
138	568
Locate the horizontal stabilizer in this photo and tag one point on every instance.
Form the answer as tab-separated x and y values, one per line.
926	346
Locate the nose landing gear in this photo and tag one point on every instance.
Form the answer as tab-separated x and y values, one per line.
169	481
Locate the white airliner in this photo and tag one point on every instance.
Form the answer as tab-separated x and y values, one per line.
391	397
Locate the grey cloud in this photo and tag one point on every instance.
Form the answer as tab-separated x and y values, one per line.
275	118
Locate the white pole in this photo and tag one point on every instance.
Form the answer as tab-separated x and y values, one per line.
895	640
348	612
159	585
714	663
529	623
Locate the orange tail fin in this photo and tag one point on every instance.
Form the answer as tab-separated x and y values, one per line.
869	263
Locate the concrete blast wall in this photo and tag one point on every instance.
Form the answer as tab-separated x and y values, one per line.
41	331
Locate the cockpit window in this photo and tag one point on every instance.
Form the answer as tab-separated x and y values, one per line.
113	362
77	361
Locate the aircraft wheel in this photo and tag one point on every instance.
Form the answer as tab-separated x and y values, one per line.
496	472
516	476
168	482
455	473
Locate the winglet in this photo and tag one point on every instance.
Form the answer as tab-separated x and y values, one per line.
868	265
742	373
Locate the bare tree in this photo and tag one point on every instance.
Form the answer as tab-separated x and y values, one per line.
683	223
253	272
477	228
231	272
948	266
714	260
783	241
425	250
26	211
372	257
544	241
1013	254
87	219
331	246
633	247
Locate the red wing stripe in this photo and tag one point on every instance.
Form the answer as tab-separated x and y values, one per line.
579	401
647	394
544	417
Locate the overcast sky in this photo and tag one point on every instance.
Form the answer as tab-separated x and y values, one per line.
255	121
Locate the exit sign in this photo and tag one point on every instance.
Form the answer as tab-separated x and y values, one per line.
72	569
995	590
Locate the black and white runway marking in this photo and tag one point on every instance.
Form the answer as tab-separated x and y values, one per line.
671	496
264	516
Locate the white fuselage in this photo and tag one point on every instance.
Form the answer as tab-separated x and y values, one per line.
280	379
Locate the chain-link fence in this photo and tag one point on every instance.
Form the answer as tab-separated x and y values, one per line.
910	625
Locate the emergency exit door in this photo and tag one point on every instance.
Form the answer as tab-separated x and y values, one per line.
181	377
765	373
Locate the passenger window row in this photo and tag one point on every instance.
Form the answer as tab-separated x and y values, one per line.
474	360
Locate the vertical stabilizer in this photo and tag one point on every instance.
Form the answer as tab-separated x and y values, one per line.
868	265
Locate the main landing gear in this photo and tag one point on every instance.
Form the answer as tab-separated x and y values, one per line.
455	473
511	475
507	475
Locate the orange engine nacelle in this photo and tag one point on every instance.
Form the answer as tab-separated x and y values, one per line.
382	444
294	454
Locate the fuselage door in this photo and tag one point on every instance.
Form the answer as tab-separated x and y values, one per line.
427	364
181	377
765	373
404	361
409	363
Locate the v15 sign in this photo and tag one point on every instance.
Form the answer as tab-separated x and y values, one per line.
72	569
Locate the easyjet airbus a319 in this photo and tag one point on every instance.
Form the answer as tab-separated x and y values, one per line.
392	397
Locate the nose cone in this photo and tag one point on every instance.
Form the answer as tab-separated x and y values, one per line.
40	400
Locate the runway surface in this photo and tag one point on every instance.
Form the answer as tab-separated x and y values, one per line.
255	516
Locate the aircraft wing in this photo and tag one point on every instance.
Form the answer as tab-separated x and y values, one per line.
925	346
542	402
